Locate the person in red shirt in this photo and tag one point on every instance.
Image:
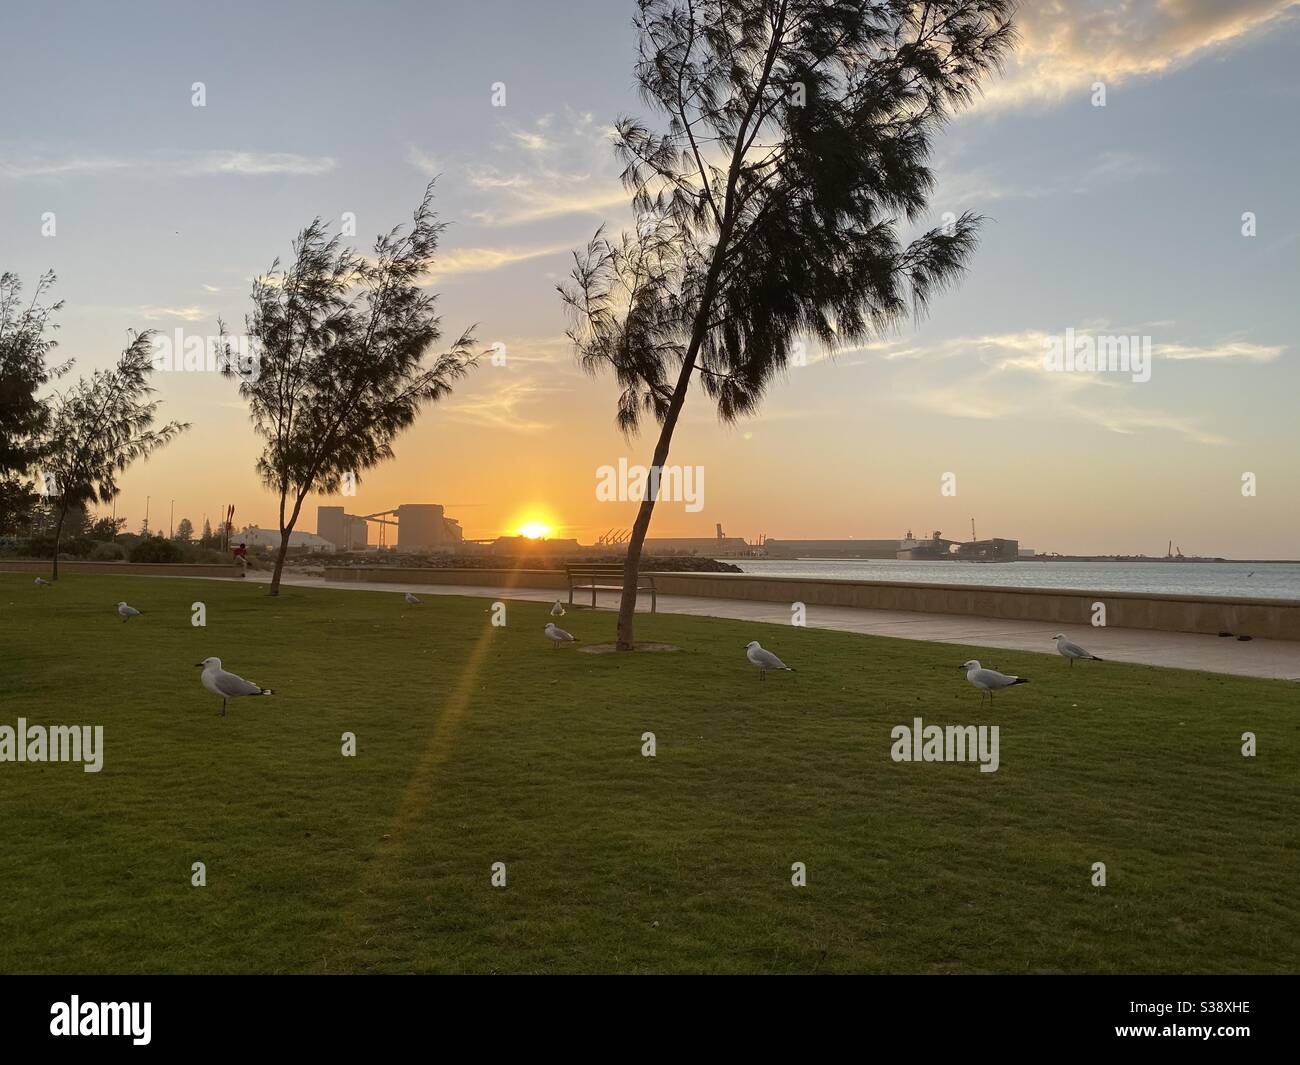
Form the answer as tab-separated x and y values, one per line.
241	556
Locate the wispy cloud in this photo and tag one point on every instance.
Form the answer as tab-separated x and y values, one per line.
481	260
165	164
184	314
1004	375
567	167
1066	45
425	163
1230	350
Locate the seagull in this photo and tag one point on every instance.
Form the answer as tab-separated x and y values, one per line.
227	685
1072	650
557	611
763	660
558	634
128	612
988	680
42	582
412	600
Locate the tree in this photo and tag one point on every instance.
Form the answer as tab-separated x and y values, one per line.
185	530
797	134
209	538
340	341
106	528
25	345
98	428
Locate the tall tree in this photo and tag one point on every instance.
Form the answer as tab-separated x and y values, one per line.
339	369
99	427
26	340
185	530
797	136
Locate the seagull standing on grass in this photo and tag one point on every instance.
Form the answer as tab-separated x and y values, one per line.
988	680
557	611
763	660
1072	650
558	635
128	612
227	685
412	600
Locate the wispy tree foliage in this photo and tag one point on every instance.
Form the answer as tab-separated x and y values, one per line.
339	367
100	426
26	341
794	140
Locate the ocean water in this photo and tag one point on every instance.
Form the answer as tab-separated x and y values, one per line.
1231	580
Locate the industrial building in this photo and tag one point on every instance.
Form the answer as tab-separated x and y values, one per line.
831	548
270	538
421	528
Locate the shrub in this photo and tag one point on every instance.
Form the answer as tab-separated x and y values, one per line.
107	553
155	549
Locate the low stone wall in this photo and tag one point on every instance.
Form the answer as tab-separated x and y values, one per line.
1276	619
476	578
135	569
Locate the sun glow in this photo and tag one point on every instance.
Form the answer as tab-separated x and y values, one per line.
534	530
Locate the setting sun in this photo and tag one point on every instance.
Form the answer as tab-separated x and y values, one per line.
534	530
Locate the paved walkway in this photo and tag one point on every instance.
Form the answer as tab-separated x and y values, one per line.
1278	659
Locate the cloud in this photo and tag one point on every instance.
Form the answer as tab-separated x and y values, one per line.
511	403
481	260
1066	45
423	162
185	314
566	167
1229	350
1003	375
167	164
986	184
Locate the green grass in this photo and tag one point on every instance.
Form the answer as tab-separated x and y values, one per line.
480	744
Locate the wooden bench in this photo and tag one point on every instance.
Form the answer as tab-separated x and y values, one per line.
606	577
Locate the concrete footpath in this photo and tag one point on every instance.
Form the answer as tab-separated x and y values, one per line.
1277	659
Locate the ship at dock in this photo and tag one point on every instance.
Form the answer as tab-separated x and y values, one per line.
938	549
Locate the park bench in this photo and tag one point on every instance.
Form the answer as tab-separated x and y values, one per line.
606	577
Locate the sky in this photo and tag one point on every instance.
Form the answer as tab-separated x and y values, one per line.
1117	220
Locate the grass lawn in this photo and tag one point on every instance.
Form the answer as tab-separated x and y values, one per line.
479	745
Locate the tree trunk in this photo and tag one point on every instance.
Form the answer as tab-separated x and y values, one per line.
279	561
627	604
58	536
285	530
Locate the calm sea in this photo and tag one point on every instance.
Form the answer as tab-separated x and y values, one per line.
1275	580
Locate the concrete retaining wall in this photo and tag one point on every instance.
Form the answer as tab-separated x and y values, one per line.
136	569
1277	619
476	578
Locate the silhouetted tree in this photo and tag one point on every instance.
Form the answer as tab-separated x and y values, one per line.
25	344
106	528
185	530
99	427
338	368
797	135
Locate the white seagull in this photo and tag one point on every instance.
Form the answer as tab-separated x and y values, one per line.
557	611
988	680
558	635
763	660
227	685
1072	650
42	582
128	612
412	600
